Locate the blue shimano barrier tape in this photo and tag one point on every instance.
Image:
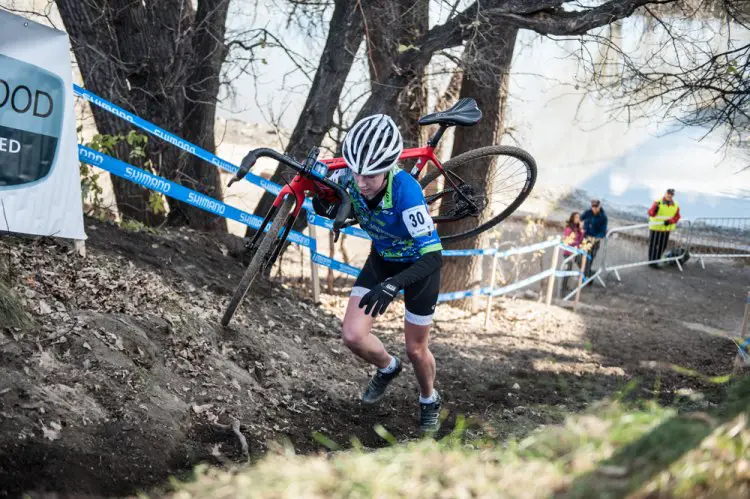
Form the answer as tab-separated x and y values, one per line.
567	273
206	203
185	145
335	265
575	250
458	295
521	284
327	223
528	249
177	191
470	252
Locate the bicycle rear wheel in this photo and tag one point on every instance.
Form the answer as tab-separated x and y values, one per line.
507	174
260	257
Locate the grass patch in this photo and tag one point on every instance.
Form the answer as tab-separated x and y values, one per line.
12	312
615	449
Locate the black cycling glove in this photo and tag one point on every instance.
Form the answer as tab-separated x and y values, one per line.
379	297
325	208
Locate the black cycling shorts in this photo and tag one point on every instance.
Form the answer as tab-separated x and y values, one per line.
420	298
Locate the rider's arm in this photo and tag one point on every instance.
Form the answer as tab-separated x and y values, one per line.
415	215
417	220
424	267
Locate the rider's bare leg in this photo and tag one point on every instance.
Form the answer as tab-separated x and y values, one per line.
420	356
358	338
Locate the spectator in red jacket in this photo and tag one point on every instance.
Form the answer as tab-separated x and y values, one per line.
572	236
664	215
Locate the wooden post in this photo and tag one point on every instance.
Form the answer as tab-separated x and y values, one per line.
313	266
584	265
739	359
747	316
551	281
492	288
79	246
331	255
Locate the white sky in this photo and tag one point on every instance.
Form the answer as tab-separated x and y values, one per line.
575	141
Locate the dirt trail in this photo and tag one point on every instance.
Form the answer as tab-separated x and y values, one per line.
126	374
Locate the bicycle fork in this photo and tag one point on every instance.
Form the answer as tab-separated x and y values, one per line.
252	247
280	242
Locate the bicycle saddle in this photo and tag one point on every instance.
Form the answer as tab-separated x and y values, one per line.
463	113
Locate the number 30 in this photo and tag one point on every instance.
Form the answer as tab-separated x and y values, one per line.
416	220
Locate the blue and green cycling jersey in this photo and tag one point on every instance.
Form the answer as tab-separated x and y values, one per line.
400	227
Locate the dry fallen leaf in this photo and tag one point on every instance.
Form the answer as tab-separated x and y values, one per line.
52	433
198	409
44	308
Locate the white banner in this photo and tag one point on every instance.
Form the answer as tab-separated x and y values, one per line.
40	187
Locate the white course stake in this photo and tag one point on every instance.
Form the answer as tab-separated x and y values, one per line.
551	282
313	266
488	313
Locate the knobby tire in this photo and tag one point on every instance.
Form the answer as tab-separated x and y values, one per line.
259	258
473	155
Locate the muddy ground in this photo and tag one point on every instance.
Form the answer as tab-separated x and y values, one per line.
126	378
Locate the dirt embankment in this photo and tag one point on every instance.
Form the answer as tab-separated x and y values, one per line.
125	377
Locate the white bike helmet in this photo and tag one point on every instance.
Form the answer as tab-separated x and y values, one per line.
372	145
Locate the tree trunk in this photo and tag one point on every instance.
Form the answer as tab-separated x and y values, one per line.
344	37
488	62
162	62
446	100
86	24
201	92
393	28
154	49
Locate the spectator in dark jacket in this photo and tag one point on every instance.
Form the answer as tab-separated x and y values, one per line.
594	229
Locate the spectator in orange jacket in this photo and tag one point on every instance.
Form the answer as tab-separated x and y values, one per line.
664	215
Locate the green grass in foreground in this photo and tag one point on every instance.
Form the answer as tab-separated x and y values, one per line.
12	312
612	451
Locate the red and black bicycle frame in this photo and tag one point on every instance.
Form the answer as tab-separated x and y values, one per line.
301	184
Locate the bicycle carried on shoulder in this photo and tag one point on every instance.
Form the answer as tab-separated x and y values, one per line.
478	183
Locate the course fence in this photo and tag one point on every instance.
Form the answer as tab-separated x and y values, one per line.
639	245
712	238
701	239
206	203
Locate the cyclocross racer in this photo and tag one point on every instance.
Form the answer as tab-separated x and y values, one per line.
405	255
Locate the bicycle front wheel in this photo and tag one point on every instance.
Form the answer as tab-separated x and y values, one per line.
495	179
260	258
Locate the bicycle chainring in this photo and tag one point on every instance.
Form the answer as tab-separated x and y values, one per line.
462	208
